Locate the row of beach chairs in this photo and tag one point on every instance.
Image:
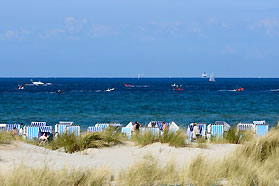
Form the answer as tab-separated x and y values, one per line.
36	129
218	128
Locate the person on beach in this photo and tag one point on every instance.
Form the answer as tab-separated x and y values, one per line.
15	131
196	131
43	139
165	127
136	126
21	129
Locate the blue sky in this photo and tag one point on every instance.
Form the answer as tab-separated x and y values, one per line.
121	38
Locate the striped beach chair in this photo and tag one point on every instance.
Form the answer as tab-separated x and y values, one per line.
73	129
61	127
261	130
95	129
102	125
31	132
259	122
202	128
127	132
12	126
245	127
154	131
217	130
38	124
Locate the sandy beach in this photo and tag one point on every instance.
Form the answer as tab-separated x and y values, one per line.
115	158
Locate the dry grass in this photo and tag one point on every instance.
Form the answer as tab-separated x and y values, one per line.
256	162
176	139
71	143
47	177
7	137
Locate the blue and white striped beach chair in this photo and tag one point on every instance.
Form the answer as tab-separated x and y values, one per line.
217	130
68	123
154	131
102	125
31	132
245	127
60	129
12	126
45	129
259	122
38	124
74	129
127	131
261	130
95	129
202	128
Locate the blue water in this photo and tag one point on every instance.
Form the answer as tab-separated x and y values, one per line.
85	102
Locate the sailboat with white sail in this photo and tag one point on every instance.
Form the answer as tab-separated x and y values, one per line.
212	79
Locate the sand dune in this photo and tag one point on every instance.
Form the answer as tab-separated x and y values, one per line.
115	158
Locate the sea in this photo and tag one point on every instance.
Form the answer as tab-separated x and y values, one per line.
85	101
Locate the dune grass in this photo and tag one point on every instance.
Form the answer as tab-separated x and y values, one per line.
71	143
255	162
7	137
176	139
23	175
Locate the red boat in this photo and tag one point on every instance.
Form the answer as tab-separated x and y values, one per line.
127	85
239	89
178	89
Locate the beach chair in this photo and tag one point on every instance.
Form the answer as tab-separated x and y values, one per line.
261	130
173	127
3	127
245	127
95	129
154	131
259	122
61	127
73	129
202	128
31	132
12	126
127	132
217	130
38	124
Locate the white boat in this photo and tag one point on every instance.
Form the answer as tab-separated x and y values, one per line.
109	89
212	79
174	85
37	82
20	87
204	75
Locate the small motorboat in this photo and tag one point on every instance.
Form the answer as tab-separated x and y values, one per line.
178	88
109	89
20	87
37	83
239	89
59	91
174	85
127	85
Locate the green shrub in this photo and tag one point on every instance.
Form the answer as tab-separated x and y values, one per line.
71	143
232	136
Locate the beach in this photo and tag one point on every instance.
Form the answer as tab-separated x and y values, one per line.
114	158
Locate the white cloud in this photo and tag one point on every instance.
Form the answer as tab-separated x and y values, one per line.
52	33
271	26
10	34
99	30
74	25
